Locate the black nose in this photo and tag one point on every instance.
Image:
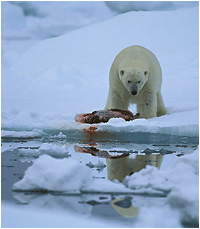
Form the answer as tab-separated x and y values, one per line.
133	92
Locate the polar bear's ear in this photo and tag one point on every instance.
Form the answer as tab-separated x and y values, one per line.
121	72
146	73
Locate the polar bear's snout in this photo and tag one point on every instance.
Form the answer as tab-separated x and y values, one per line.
134	89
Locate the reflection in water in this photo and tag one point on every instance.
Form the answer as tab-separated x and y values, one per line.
96	152
124	207
119	166
120	163
126	163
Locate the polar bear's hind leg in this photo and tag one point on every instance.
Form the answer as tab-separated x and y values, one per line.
161	110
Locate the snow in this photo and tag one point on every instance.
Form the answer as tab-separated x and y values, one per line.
59	219
33	21
169	124
53	150
181	180
125	6
52	174
163	179
19	134
63	76
55	63
49	219
66	175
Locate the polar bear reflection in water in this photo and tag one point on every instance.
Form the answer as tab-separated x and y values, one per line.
120	166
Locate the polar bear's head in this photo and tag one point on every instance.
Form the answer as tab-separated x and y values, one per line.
133	78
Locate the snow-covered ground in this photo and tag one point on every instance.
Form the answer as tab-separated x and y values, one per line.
59	77
55	64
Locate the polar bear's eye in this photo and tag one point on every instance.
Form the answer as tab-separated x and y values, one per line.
121	72
139	81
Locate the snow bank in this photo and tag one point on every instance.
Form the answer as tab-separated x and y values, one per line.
32	21
24	24
172	124
185	194
27	153
20	134
60	136
106	186
180	180
52	174
125	6
54	150
64	175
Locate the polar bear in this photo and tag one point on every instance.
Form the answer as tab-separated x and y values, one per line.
136	77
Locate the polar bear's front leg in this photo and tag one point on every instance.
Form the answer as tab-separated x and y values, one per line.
147	105
115	101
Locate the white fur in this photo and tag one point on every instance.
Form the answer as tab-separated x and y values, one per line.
136	70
